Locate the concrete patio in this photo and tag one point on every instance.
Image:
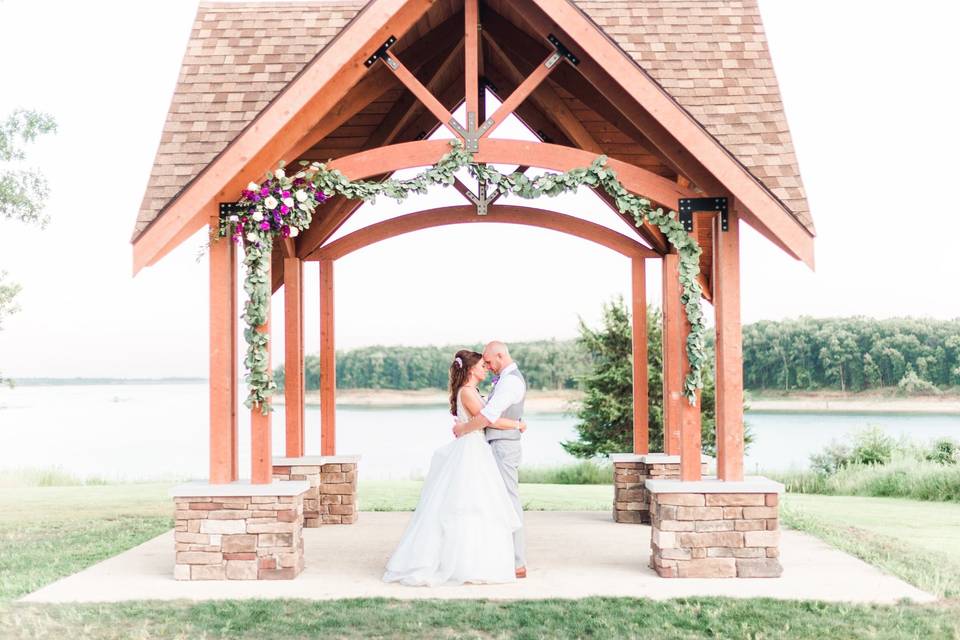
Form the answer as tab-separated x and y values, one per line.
571	555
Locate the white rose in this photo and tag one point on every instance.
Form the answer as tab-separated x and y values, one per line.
280	174
253	186
301	195
271	203
234	218
293	232
252	237
257	216
288	202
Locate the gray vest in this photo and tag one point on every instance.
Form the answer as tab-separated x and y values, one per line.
513	412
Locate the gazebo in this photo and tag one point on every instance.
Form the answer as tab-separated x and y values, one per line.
679	96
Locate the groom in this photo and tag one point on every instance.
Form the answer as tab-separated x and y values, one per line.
506	401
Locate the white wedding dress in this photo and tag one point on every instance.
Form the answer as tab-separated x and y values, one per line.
462	530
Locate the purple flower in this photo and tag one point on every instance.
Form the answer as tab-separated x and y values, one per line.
286	194
265	225
284	209
495	379
265	191
285	231
255	198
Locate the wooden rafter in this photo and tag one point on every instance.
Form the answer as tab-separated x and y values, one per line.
471	38
610	70
422	93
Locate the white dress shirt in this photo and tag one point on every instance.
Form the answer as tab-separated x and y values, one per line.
508	391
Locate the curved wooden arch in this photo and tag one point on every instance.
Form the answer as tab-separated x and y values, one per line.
467	214
381	160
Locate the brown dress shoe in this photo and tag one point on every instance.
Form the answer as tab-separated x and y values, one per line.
521	572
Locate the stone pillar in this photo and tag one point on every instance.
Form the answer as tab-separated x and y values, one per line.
715	529
332	497
631	504
239	531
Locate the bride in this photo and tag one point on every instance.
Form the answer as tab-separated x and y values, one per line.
462	530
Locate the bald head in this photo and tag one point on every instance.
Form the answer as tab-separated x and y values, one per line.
497	356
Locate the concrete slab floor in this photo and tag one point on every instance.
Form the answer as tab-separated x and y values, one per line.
571	555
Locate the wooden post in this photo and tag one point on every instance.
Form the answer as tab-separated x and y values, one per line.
223	360
690	444
293	355
471	12
328	363
729	347
261	442
641	409
673	348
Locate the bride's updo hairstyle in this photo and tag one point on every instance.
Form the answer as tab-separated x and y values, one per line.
459	373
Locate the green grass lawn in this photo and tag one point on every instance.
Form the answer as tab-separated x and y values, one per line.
49	532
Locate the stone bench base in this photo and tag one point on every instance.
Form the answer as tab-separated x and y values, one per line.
332	497
631	504
715	529
239	531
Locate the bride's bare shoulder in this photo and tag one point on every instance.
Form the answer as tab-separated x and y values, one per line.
471	399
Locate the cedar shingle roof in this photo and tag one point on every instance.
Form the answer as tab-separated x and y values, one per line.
711	55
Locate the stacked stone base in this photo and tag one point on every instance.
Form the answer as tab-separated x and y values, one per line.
332	497
631	504
713	529
239	531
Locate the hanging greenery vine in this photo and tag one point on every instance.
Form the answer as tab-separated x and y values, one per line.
283	206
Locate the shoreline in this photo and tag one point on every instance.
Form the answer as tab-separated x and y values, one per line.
567	400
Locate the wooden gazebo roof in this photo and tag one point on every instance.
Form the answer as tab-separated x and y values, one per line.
709	57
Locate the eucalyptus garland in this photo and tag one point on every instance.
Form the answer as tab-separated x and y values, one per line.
283	206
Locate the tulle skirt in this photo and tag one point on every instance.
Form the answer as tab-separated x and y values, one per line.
462	530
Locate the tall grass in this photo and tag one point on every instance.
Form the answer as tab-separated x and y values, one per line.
580	473
902	477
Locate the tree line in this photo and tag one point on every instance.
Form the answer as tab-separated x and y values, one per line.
844	354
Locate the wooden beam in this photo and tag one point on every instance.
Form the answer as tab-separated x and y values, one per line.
335	214
328	363
466	214
293	363
422	93
471	38
641	408
611	70
318	88
223	359
525	88
545	97
729	349
673	348
516	152
404	110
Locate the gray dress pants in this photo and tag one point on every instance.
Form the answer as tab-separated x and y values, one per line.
507	454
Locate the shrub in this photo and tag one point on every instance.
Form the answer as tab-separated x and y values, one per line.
944	451
834	456
913	385
872	446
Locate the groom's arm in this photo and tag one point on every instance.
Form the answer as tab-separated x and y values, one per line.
508	391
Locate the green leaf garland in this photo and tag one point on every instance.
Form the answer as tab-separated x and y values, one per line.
283	207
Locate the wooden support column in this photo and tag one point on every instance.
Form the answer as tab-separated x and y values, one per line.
471	13
223	360
641	409
293	355
328	363
690	445
729	348
672	354
261	442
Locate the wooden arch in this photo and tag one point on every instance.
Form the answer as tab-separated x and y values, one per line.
467	214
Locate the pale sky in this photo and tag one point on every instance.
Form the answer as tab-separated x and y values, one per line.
871	102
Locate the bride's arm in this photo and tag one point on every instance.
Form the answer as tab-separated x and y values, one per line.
473	403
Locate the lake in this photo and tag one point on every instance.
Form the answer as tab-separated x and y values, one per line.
159	431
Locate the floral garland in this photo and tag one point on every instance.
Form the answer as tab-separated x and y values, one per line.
282	207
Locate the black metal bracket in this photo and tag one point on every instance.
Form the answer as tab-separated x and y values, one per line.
381	52
562	50
230	208
690	205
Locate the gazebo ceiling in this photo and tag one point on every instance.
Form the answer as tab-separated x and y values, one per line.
710	56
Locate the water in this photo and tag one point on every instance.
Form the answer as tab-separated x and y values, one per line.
160	431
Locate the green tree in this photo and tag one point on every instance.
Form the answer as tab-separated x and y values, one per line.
23	190
606	414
